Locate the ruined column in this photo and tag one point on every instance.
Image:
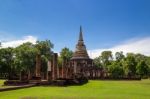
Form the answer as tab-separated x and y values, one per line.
49	70
54	67
65	69
38	65
63	63
75	67
58	71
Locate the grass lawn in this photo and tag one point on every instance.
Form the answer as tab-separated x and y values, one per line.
1	83
91	90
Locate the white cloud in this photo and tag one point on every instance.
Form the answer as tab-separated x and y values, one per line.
15	43
134	45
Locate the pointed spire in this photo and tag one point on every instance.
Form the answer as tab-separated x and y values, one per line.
80	36
80	51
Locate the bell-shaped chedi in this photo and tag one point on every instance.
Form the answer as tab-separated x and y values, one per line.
80	51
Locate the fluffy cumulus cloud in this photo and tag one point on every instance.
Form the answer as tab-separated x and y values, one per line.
139	45
15	43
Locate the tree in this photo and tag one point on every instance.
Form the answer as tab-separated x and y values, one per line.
97	61
43	54
129	65
142	69
25	58
60	61
119	56
115	70
44	48
65	56
66	53
148	63
6	61
106	57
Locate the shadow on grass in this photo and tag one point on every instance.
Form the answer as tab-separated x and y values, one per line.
65	83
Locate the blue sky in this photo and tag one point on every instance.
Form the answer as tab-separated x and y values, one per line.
106	23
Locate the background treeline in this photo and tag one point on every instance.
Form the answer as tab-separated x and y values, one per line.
22	59
120	65
13	61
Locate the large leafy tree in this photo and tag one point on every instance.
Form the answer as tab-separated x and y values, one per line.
65	56
142	68
66	53
119	56
44	48
6	61
25	57
98	62
106	57
148	63
129	65
44	53
115	70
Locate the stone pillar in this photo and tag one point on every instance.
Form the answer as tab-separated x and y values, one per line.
54	67
49	70
38	66
92	63
75	67
65	69
58	72
63	63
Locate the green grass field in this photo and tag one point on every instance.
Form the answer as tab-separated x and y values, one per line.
91	90
1	83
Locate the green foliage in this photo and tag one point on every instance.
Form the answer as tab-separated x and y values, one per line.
22	58
116	70
6	61
129	65
66	53
148	63
25	57
119	56
140	57
60	61
65	56
97	62
142	68
106	57
44	48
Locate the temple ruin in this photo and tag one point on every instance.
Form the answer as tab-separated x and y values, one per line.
80	65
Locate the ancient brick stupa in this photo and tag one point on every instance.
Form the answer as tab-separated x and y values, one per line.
80	60
80	51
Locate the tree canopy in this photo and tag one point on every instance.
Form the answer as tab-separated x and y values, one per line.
23	58
129	65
